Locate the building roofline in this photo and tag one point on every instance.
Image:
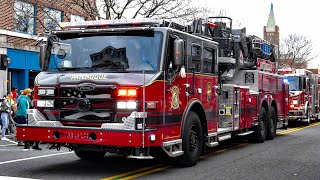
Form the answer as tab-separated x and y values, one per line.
20	35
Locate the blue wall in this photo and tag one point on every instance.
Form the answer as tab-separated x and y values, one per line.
21	63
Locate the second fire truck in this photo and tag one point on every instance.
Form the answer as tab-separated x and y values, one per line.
304	95
137	86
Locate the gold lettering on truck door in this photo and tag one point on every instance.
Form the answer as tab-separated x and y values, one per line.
209	91
175	97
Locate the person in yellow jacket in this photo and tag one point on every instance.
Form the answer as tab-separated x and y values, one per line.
10	99
12	102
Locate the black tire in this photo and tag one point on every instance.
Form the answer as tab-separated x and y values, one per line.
308	122
89	155
192	141
271	124
285	126
260	132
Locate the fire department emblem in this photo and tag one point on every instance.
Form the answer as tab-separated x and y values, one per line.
209	91
175	97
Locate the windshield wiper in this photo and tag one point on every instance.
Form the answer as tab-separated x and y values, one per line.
76	68
86	68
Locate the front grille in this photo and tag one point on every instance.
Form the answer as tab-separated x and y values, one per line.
295	113
99	102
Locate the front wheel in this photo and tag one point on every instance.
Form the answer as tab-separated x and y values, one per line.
192	140
89	155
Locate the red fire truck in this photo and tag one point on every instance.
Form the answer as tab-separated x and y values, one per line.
137	86
304	95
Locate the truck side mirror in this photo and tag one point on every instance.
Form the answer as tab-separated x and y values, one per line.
42	56
178	49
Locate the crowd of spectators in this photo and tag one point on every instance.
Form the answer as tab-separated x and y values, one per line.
13	109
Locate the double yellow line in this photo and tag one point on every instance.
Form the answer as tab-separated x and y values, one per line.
159	167
138	172
296	129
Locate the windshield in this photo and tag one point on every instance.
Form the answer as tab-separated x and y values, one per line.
127	52
293	83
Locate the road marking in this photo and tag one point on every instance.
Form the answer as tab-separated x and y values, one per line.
297	129
145	173
166	167
131	172
149	170
13	142
15	178
289	130
31	158
4	145
160	167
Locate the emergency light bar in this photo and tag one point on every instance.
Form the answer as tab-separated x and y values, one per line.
210	24
286	70
116	22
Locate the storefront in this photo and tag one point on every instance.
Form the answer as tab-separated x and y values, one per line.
23	68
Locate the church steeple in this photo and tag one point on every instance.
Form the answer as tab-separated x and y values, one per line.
271	25
271	32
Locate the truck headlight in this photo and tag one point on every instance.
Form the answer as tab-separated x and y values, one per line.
49	103
131	105
41	92
45	103
46	91
50	92
122	105
127	105
41	103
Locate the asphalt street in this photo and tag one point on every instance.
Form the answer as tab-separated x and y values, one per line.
293	154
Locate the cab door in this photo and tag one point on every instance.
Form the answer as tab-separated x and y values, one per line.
194	69
210	85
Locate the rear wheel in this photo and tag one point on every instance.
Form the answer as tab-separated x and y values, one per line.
260	131
192	140
308	121
89	155
271	124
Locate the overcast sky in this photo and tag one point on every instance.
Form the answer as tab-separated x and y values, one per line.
292	16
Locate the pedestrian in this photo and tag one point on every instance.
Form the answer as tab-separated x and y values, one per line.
14	93
13	105
23	105
10	98
18	97
5	113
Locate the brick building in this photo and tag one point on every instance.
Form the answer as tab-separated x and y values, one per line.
21	23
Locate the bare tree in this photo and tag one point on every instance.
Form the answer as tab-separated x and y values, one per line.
48	19
117	9
296	51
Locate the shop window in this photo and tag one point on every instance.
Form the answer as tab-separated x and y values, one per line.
24	17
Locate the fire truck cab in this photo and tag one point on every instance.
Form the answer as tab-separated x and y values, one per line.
139	86
302	84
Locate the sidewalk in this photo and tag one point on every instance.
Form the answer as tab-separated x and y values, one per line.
9	136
